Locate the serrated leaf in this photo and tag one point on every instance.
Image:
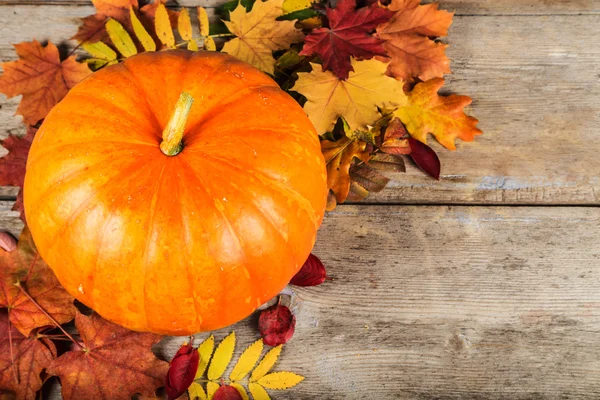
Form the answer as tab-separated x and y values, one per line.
204	351
203	21
192	45
258	392
266	363
196	392
247	361
387	162
141	33
162	25
240	389
184	24
209	44
222	357
120	38
211	389
280	380
100	51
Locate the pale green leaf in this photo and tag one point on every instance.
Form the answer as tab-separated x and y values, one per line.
141	32
258	392
247	361
204	352
209	44
211	389
196	392
184	24
222	357
203	21
162	25
100	50
242	391
280	380
266	364
192	45
120	38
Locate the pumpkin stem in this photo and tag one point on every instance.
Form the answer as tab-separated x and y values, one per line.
171	144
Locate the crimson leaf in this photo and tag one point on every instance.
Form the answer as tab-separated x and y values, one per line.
276	325
425	158
312	273
181	371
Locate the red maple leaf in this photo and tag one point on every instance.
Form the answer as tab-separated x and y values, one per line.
348	35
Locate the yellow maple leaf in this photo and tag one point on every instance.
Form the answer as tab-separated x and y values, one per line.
259	34
266	363
204	352
356	98
222	357
443	116
247	361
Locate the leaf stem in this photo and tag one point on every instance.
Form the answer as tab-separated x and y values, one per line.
171	144
12	354
222	35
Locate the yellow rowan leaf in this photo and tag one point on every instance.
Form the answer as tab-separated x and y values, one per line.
241	389
204	352
140	32
203	21
280	380
209	44
443	116
259	34
192	45
356	99
247	361
120	38
211	389
266	363
184	24
222	357
196	392
100	50
258	392
162	25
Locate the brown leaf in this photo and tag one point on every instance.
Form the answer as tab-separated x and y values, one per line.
276	325
182	370
425	158
387	162
368	178
395	139
40	77
115	364
8	242
339	156
31	356
25	265
312	273
227	392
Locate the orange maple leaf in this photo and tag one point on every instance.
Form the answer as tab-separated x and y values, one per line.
40	77
407	40
443	116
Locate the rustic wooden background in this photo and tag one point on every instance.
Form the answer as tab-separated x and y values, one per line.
485	285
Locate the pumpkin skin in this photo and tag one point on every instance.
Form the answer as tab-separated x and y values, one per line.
175	244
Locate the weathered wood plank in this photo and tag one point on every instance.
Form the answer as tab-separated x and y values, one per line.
447	303
462	7
535	88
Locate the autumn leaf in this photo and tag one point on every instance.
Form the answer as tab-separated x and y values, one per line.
12	165
258	392
184	24
348	35
246	361
182	370
211	389
196	392
265	365
7	242
222	357
339	156
395	139
407	40
20	368
115	364
425	158
259	34
140	32
227	392
162	26
443	116
41	77
241	390
280	380
203	24
356	99
24	265
204	353
120	38
276	325
387	162
312	273
368	178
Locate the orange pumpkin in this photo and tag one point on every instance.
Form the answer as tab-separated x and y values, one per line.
172	219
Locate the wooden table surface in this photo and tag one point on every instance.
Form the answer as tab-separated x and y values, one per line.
484	285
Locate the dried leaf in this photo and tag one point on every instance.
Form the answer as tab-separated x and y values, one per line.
184	24
211	389
258	392
348	35
182	371
266	363
247	361
140	32
443	116
259	34
425	158
120	38
367	136
222	357
339	156
209	44
203	23
241	390
40	77
100	50
162	25
25	265
227	392
368	178
8	242
12	165
312	273
192	45
31	357
331	201
387	162
357	193
395	139
204	352
356	98
280	380
115	364
276	325
93	29
196	392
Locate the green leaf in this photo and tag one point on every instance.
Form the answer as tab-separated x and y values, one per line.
204	352
247	361
289	59
241	389
141	32
218	28
225	8
280	380
120	38
299	15
266	364
258	392
100	51
162	26
196	392
222	357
